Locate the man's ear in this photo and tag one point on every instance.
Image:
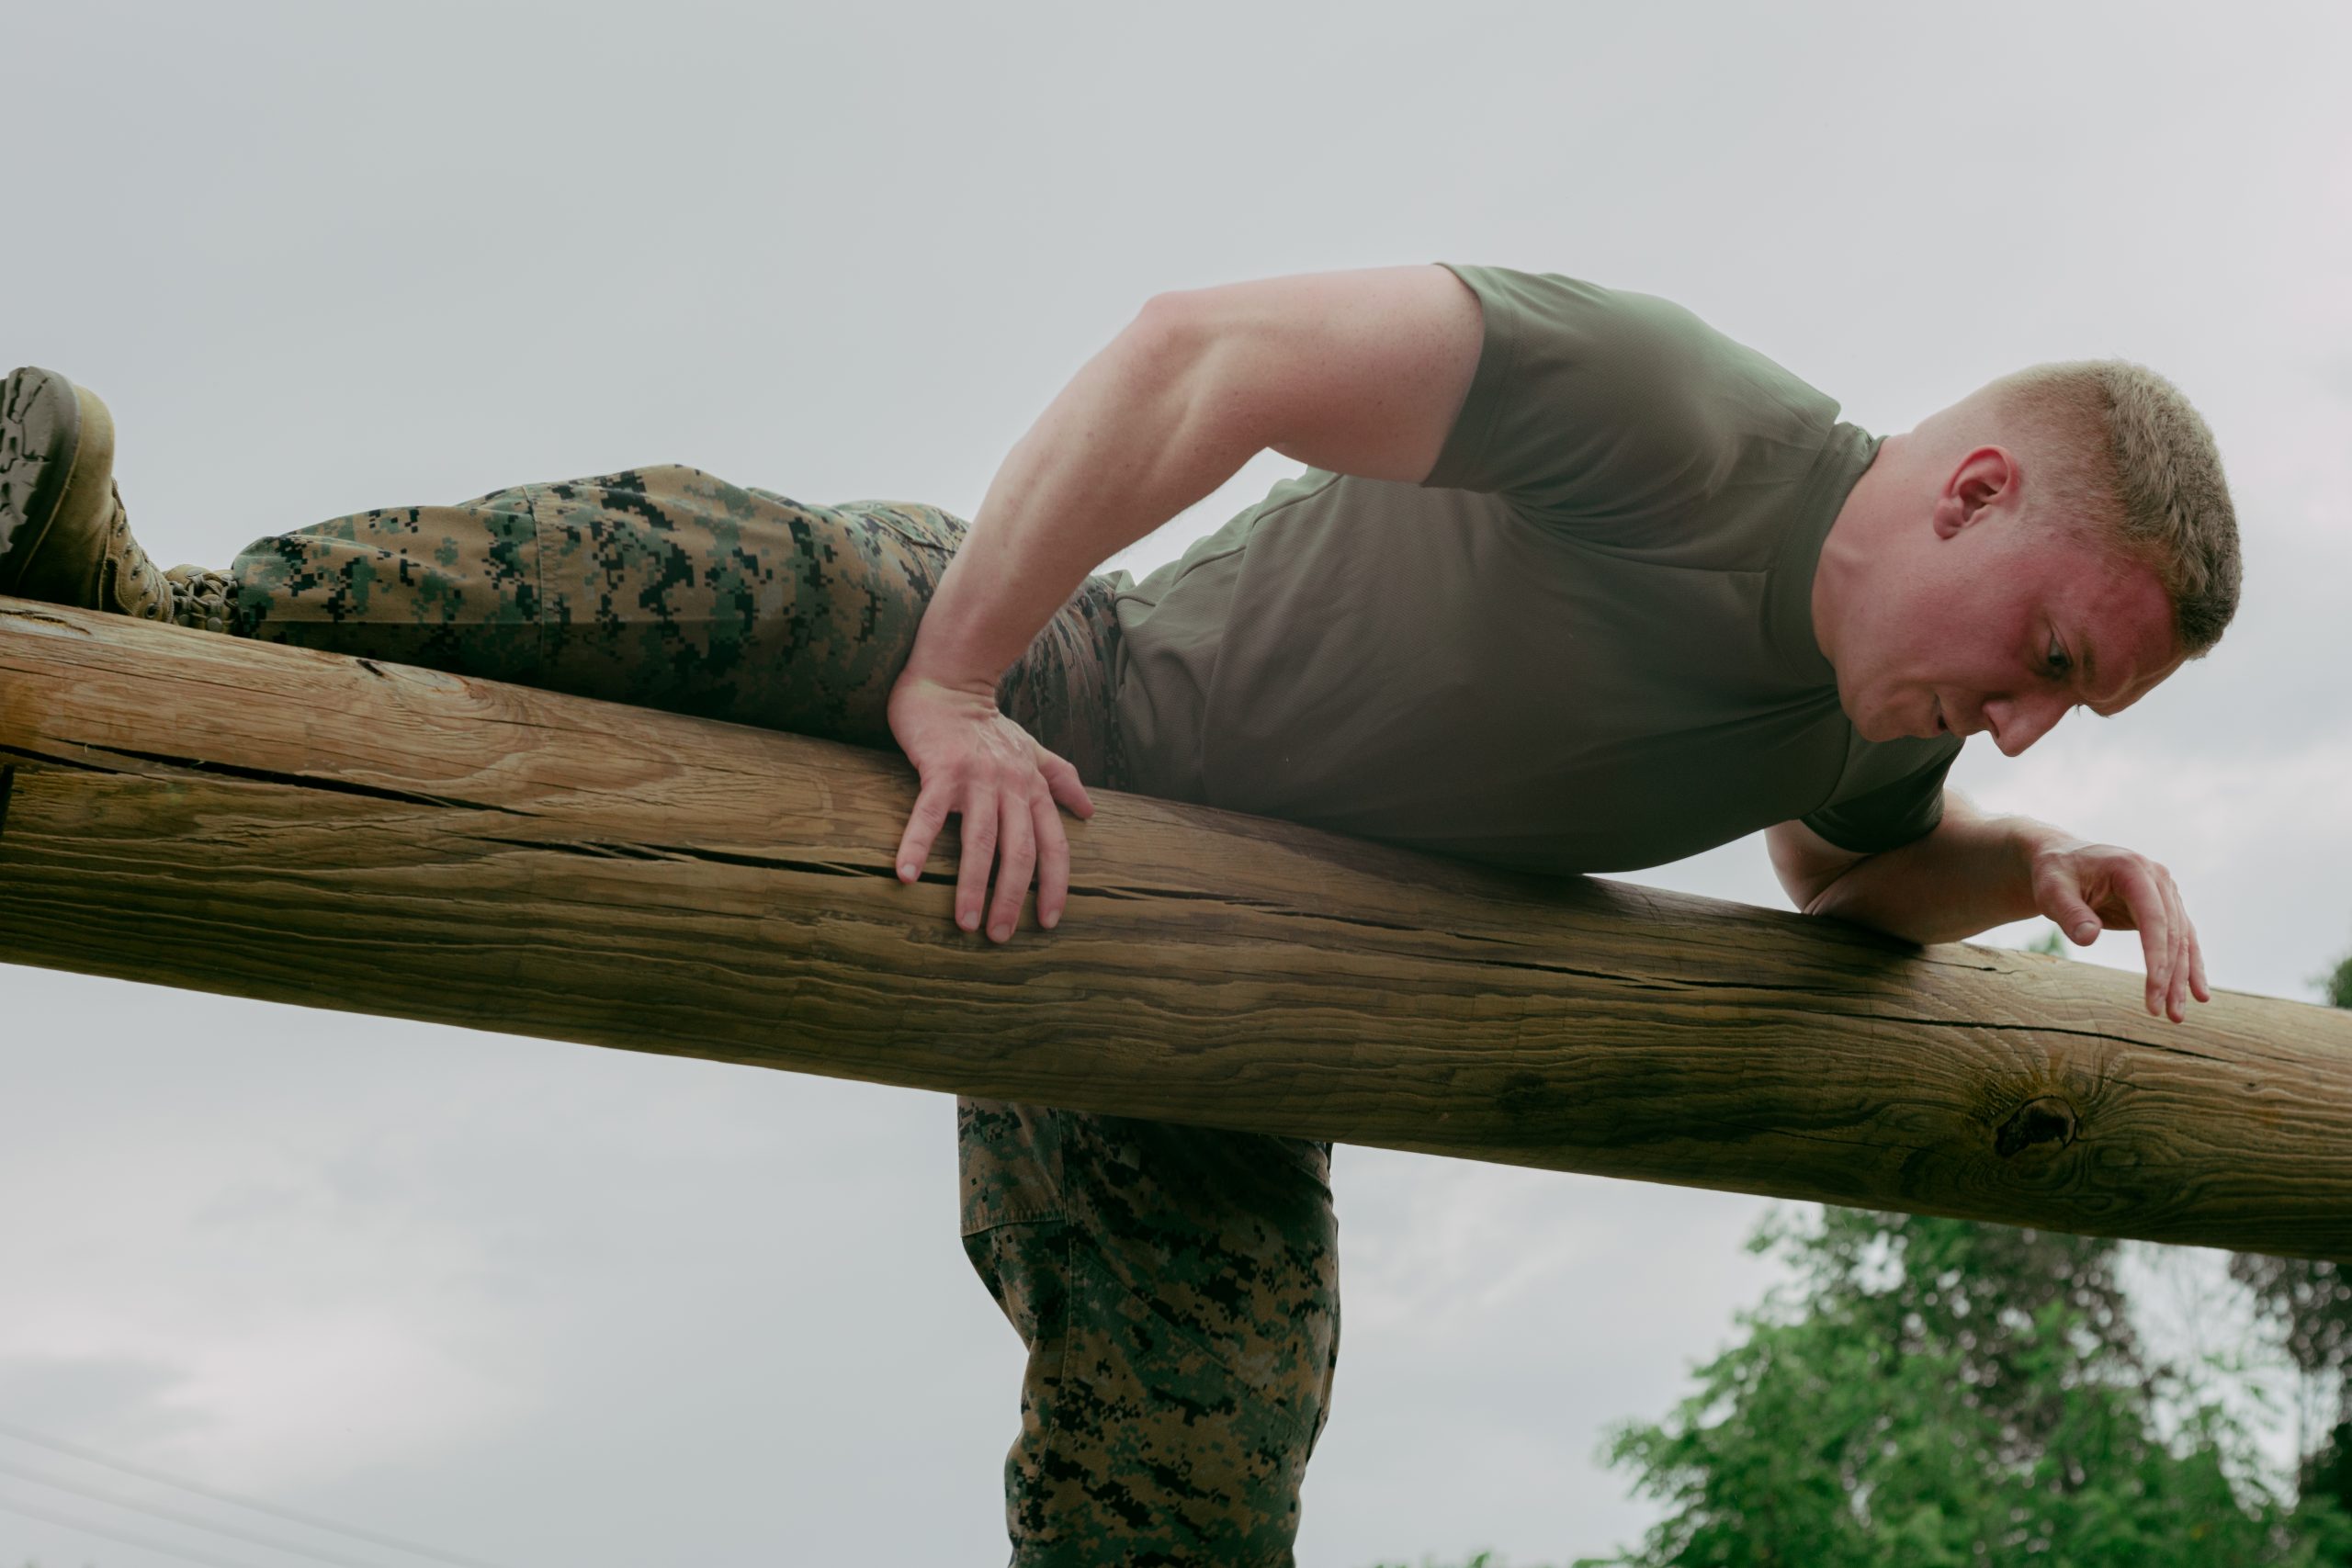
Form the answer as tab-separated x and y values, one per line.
1980	479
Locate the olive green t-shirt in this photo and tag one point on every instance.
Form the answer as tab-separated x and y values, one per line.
1584	643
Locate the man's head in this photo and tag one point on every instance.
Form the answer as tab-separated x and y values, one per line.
2061	538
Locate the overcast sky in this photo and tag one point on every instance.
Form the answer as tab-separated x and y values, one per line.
540	1303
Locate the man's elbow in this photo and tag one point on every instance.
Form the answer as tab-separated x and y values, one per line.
1811	869
1826	900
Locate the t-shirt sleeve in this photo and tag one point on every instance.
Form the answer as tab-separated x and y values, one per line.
1597	403
1577	399
1890	815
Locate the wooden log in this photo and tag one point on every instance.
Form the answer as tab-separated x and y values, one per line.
193	810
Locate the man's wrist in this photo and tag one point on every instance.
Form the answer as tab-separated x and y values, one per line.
945	675
941	658
2030	840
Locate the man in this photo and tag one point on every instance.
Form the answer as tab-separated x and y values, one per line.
1573	583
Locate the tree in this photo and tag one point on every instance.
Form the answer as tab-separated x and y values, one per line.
1933	1391
2308	1306
2336	987
1936	1392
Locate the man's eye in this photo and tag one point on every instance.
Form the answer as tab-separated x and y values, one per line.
2059	663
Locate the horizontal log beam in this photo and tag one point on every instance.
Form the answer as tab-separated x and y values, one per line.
192	810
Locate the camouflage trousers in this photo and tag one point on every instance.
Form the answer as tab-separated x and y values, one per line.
1176	1288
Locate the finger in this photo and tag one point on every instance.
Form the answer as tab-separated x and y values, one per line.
2176	987
924	825
2184	975
1062	779
2192	955
2167	979
2065	906
2196	985
2146	903
1018	841
1053	864
979	854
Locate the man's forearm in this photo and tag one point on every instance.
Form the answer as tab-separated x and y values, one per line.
1971	874
1136	437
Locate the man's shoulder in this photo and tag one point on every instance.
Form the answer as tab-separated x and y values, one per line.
1726	388
1645	338
1644	386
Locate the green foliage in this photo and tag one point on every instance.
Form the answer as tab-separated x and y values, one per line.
2335	986
1931	1394
2308	1306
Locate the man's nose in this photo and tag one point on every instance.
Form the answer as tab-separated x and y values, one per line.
2018	722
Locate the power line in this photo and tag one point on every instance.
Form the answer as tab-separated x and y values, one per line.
289	1514
195	1521
12	1506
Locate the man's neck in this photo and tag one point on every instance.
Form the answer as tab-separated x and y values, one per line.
1853	541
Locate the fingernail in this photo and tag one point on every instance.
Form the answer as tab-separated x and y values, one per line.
999	931
2085	931
1049	923
969	922
909	869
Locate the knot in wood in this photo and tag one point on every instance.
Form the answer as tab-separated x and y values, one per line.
2044	1123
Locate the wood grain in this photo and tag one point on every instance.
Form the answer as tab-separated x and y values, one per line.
191	810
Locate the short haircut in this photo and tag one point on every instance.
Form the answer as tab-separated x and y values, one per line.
2136	466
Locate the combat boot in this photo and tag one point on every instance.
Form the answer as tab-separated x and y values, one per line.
64	536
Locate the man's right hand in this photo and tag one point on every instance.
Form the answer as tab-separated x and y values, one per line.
979	766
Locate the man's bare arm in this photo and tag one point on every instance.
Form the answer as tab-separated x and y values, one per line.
1359	372
1976	872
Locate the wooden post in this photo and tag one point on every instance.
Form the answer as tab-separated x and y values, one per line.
193	810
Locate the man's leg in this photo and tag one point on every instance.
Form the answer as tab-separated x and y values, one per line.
1178	1292
1176	1287
661	587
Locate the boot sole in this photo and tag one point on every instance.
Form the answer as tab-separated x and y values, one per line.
56	462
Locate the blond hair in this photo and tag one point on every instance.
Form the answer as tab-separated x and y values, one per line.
2133	464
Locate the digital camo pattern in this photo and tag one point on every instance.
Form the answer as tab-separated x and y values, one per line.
666	587
1176	1288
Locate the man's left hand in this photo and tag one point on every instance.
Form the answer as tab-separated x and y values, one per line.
2089	888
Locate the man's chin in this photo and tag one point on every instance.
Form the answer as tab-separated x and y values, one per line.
1880	728
1875	724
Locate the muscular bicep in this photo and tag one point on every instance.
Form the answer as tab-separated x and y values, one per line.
1359	372
1807	863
